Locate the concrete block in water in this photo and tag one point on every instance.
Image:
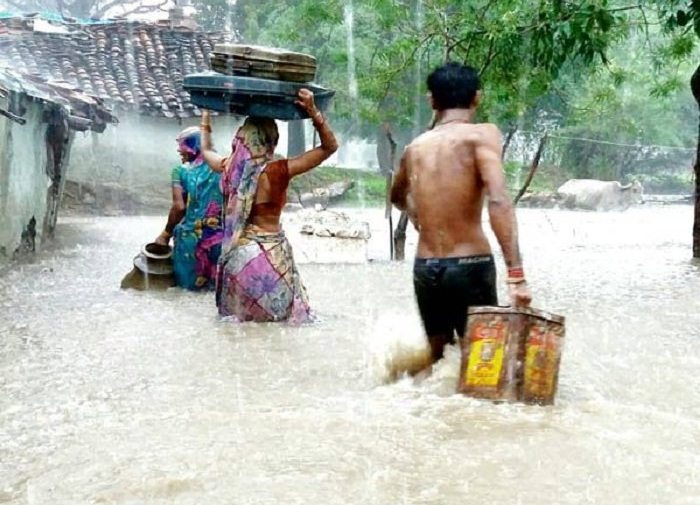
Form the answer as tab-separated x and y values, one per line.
327	237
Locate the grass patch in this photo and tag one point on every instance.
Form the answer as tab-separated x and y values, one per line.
368	191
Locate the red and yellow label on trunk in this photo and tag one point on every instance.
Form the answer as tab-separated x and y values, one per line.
540	361
486	354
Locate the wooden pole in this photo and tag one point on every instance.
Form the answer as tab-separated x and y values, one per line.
388	215
387	162
13	117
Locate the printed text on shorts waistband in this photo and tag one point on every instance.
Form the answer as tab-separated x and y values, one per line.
465	260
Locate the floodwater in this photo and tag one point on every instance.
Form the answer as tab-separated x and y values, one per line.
114	397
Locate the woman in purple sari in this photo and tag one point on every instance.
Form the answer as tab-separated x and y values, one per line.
257	279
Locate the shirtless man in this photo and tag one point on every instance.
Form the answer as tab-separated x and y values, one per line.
444	176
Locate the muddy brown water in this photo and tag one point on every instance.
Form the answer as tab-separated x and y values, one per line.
118	397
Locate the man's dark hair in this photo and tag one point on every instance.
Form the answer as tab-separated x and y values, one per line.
453	86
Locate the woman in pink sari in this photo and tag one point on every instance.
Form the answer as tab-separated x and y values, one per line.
257	279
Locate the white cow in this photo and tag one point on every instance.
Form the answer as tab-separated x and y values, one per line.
591	194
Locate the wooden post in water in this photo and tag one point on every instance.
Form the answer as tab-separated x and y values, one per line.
400	238
389	215
386	156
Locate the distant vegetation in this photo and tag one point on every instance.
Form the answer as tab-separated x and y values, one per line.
368	187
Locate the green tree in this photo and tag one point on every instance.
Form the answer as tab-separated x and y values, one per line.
522	49
621	105
683	24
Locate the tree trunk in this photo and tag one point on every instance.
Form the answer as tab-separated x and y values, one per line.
296	141
695	87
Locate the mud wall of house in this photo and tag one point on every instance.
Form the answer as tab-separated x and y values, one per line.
23	182
139	152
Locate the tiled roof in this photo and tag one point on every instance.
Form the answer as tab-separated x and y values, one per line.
131	65
81	111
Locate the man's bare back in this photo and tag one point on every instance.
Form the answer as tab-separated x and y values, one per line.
444	190
444	178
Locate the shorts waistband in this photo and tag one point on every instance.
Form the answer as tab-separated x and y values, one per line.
464	260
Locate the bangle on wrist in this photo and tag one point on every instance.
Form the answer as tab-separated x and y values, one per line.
205	127
516	275
167	233
516	272
318	118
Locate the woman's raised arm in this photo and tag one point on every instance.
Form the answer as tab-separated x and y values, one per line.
211	157
329	145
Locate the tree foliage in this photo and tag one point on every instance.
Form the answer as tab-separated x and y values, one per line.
519	47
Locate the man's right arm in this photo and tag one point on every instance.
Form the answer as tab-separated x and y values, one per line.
501	213
399	186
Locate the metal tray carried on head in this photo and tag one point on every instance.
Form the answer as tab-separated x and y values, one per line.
264	62
251	96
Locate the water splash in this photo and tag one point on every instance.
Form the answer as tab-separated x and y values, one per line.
396	347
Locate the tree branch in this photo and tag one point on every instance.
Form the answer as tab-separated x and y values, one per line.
509	137
533	169
139	8
646	25
489	58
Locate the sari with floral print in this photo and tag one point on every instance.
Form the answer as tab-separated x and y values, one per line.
257	278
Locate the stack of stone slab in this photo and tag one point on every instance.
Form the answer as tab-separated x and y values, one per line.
263	62
256	81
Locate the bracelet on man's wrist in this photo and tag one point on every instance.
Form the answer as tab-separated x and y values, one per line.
516	275
516	272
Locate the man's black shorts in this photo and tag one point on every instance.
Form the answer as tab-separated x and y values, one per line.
447	287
